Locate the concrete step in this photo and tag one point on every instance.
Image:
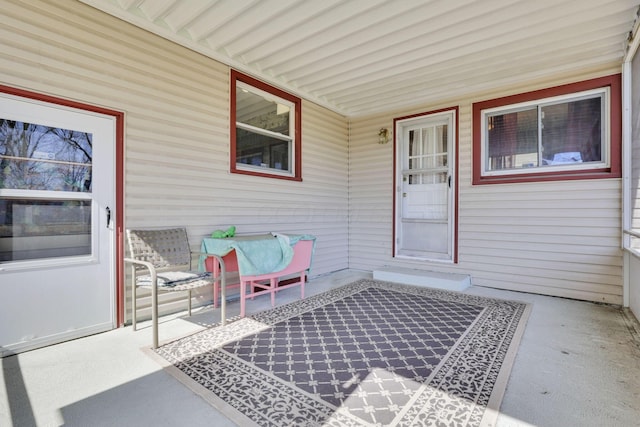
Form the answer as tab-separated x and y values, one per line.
430	279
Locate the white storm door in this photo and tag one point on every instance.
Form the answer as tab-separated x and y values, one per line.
425	199
57	200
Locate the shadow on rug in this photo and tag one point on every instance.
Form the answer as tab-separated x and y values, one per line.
368	353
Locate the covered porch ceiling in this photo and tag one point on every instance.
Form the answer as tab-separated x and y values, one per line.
359	57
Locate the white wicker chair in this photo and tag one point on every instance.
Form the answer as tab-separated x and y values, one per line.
161	261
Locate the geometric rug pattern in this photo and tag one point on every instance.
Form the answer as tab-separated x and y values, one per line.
370	353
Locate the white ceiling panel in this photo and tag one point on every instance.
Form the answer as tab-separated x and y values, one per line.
360	57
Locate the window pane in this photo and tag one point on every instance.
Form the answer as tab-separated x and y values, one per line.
441	148
253	109
428	147
572	132
33	229
265	130
415	147
415	150
427	178
577	133
512	140
262	151
36	157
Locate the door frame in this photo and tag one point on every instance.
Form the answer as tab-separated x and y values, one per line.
455	176
119	181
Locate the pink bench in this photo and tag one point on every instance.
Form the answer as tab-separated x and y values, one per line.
252	286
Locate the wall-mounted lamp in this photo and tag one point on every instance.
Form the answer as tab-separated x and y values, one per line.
383	136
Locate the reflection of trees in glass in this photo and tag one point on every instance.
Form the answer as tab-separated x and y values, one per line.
37	157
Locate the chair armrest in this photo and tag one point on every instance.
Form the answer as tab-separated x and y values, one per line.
223	270
148	265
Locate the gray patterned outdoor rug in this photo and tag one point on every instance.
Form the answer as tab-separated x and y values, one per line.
370	353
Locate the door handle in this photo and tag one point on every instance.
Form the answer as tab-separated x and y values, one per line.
108	216
449	179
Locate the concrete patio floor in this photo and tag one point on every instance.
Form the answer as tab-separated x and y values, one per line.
578	365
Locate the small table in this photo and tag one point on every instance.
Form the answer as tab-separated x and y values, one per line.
253	254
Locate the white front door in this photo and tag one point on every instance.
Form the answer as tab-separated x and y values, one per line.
425	219
57	201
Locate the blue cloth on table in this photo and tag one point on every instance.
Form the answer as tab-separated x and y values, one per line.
257	254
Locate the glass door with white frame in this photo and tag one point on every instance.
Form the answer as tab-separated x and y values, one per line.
57	193
425	198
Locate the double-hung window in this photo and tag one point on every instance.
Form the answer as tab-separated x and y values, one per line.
558	133
265	130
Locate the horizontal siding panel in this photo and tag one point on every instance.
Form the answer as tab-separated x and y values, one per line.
553	232
162	103
114	43
507	283
579	271
212	141
554	260
549	278
511	246
176	105
555	201
559	238
177	161
551	188
528	238
481	222
551	213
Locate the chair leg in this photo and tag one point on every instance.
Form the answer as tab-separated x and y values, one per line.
243	290
134	305
216	293
223	298
154	308
220	273
216	285
302	280
274	284
189	303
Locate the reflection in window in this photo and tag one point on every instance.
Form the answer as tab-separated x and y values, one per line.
265	133
38	228
37	157
558	133
513	140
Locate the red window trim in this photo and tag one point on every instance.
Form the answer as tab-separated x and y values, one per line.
614	82
237	76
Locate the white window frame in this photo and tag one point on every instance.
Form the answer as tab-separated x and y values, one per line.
293	143
605	162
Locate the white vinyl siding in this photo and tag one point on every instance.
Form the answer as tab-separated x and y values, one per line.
370	193
176	105
554	238
551	238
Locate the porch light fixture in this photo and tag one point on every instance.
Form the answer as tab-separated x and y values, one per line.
383	136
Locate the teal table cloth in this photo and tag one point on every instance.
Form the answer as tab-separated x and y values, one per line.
256	254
